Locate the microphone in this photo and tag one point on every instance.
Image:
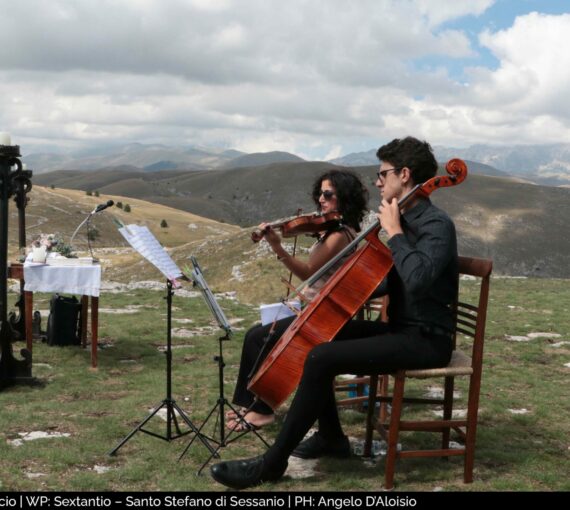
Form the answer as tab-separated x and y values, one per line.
102	207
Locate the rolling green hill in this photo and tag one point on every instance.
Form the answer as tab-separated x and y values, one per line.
519	225
60	211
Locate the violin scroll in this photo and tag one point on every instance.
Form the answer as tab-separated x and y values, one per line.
257	235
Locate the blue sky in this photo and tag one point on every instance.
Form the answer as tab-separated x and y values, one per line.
319	78
498	16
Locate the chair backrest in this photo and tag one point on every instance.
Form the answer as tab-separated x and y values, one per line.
470	319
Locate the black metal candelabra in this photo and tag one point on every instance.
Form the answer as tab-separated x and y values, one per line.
22	186
12	370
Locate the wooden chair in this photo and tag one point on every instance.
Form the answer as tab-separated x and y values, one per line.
470	321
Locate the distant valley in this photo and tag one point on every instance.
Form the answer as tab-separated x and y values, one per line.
519	225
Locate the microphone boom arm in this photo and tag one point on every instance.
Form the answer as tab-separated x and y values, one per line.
77	229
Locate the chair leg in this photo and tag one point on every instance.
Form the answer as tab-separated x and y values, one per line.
394	431
360	393
447	410
383	387
370	415
471	432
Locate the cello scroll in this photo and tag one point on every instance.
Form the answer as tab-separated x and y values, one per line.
457	170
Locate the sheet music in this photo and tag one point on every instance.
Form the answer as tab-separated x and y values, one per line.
142	240
209	297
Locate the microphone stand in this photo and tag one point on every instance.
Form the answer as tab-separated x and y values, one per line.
87	221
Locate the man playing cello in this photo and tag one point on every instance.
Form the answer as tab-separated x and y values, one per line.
422	286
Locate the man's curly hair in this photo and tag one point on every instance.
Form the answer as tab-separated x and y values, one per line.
411	153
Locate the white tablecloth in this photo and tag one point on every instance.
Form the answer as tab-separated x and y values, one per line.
84	280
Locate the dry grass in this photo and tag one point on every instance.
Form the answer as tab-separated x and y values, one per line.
515	452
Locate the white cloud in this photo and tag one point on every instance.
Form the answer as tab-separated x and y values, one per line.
304	75
524	100
440	11
206	5
535	63
231	37
244	38
335	152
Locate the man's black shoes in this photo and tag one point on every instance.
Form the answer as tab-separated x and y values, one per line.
241	474
317	446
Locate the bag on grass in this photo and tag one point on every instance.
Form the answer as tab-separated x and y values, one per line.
63	327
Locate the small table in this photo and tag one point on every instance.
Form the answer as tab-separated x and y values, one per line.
84	280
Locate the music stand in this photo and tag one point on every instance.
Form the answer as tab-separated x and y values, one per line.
222	402
146	244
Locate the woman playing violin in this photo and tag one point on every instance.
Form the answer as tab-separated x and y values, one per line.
335	190
422	285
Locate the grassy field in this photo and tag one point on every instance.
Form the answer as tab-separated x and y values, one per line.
97	408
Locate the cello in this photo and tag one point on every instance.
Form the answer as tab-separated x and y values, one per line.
337	302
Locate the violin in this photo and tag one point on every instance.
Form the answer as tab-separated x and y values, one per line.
303	224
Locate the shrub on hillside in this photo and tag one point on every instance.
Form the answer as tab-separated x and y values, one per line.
119	205
127	208
92	233
89	193
163	224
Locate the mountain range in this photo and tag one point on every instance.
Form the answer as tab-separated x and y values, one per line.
517	224
152	158
541	164
242	196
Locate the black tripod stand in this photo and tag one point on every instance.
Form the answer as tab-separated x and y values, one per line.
171	407
219	406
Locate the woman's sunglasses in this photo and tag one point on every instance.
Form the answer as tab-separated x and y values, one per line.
327	194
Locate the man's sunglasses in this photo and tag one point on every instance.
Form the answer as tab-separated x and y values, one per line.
383	173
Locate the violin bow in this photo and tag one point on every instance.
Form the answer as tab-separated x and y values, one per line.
299	211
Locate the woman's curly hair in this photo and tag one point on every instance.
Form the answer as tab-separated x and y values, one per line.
351	195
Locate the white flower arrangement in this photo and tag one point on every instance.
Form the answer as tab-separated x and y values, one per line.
53	242
47	240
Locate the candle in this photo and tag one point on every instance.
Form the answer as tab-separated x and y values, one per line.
5	139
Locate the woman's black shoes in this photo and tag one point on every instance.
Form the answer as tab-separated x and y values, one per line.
241	474
317	446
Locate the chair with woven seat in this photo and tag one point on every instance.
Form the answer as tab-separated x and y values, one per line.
470	322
